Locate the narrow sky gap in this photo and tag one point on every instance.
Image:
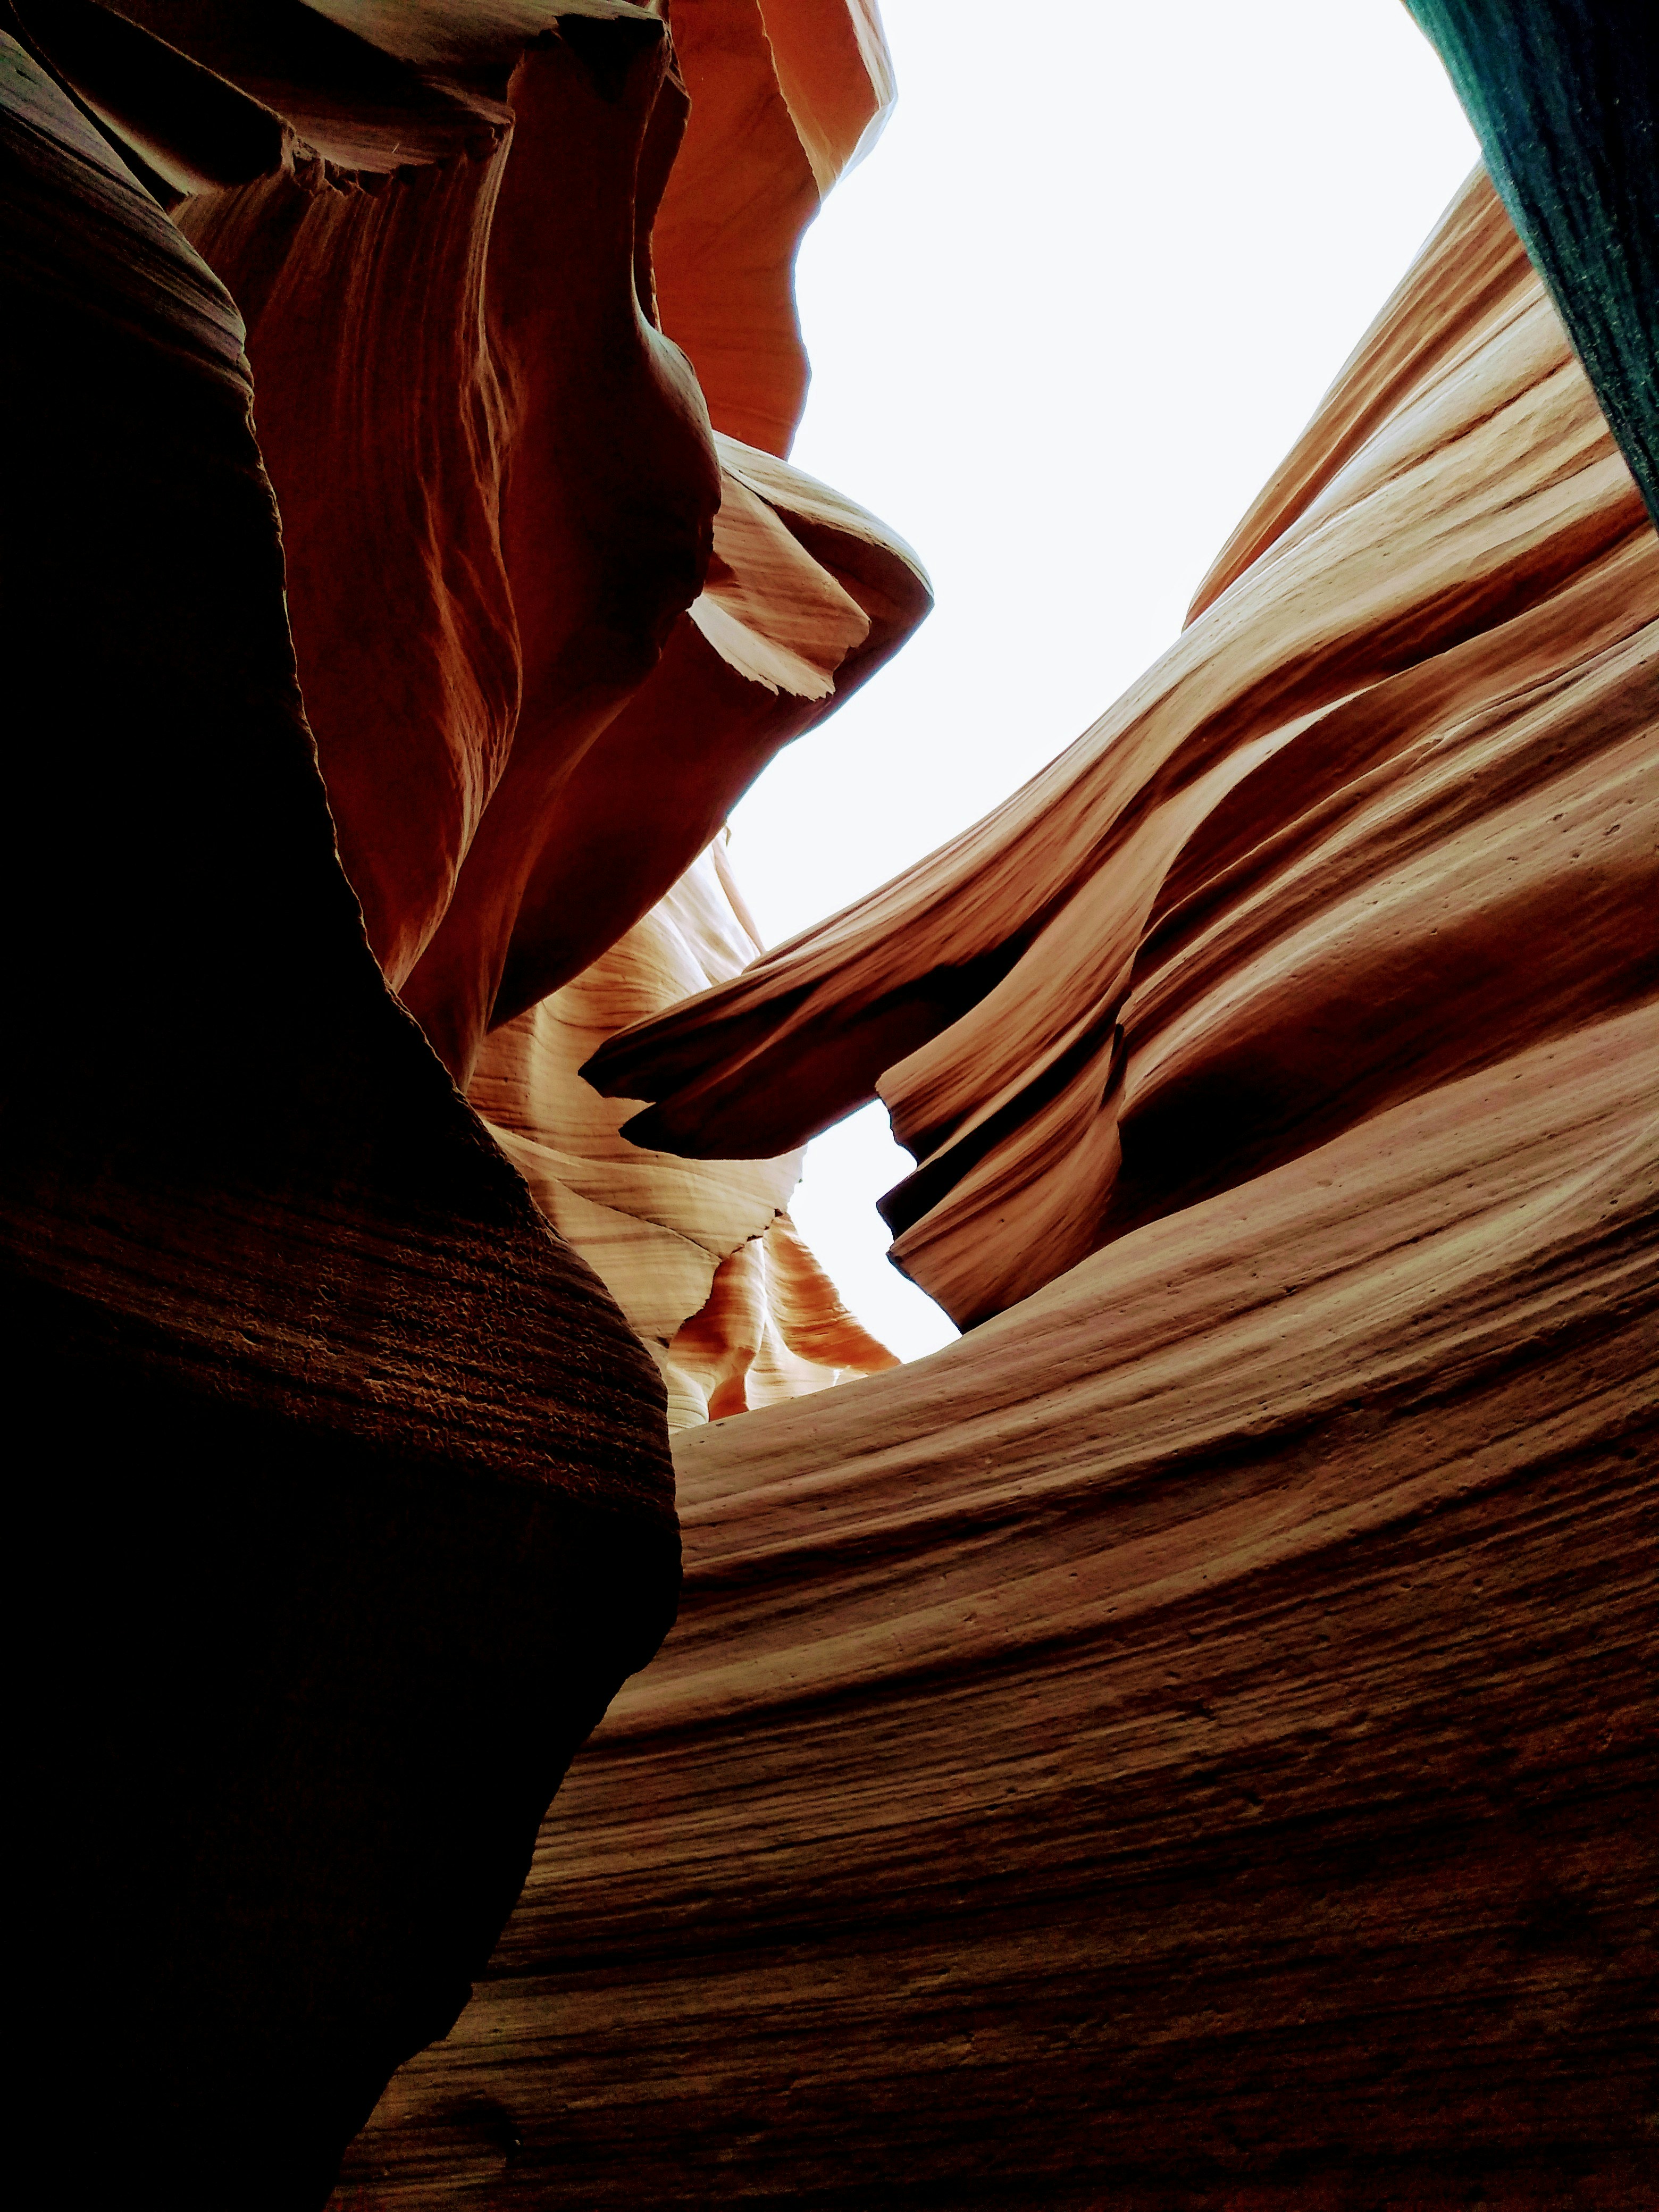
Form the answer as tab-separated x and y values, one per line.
1063	322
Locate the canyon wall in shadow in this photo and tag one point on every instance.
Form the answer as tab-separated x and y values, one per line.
394	609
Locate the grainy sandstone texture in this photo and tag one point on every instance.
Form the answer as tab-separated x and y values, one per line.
1193	1742
356	503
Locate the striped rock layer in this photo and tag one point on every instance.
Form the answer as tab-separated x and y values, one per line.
1192	1741
396	611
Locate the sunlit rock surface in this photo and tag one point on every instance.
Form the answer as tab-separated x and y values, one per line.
700	1256
1316	863
529	586
1191	1741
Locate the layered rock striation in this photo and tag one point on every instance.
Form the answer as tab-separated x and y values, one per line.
360	506
1191	1741
1313	865
700	1256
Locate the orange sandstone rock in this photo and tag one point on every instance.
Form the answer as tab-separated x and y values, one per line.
1191	1741
785	95
343	1490
1315	862
805	596
549	626
349	1504
700	1256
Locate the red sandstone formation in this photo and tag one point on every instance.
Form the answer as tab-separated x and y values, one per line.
346	1505
1279	887
1189	1742
1192	1741
700	1256
360	1506
527	582
785	95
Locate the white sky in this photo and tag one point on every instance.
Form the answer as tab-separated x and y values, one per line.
1064	321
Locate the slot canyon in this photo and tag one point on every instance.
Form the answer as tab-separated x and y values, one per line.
528	1701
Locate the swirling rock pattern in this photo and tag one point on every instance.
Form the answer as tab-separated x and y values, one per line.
528	580
353	1504
1281	884
700	1256
1191	1742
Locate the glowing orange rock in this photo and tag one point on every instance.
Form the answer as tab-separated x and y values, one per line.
1192	1740
1281	885
355	1504
701	1256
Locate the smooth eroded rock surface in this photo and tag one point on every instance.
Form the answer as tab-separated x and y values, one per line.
1315	863
356	503
1190	1743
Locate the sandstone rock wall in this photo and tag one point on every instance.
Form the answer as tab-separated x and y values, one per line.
549	623
1313	864
1191	1741
347	439
700	1256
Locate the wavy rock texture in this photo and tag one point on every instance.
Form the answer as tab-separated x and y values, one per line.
353	1505
527	583
1189	1743
786	94
804	597
700	1256
1279	887
1192	1742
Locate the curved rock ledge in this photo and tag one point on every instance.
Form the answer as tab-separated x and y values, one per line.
1280	886
1190	1743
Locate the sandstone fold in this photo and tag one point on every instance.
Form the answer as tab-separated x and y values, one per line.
1282	885
805	596
396	621
343	1491
549	624
527	584
495	477
1190	1742
700	1256
785	95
